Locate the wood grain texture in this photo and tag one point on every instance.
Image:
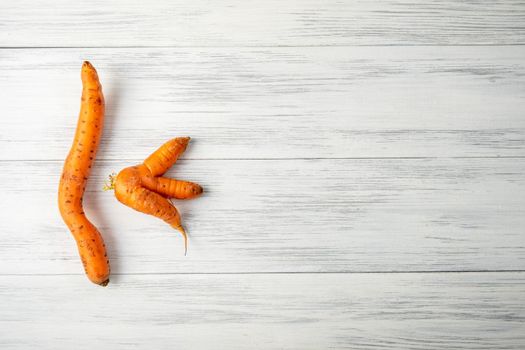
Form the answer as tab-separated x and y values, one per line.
272	102
353	154
284	215
260	23
328	311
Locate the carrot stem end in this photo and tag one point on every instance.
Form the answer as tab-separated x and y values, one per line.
108	186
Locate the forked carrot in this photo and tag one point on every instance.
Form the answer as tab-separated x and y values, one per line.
143	188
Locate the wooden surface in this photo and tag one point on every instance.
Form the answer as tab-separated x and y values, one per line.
329	215
270	311
274	102
363	162
134	23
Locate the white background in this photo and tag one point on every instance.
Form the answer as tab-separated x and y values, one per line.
363	162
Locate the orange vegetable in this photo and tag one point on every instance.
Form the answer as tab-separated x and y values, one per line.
143	188
75	174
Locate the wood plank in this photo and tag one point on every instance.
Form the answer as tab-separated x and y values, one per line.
272	22
272	102
285	215
319	311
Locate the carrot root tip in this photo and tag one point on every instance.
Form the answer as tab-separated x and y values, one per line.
183	232
105	283
184	140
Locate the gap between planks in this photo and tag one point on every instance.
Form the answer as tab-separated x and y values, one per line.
386	272
274	159
245	46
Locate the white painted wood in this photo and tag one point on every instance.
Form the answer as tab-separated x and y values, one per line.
327	311
284	215
272	102
307	118
255	23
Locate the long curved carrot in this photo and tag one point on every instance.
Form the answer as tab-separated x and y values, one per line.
143	188
75	174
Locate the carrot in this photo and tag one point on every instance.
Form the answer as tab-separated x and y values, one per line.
76	171
143	188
